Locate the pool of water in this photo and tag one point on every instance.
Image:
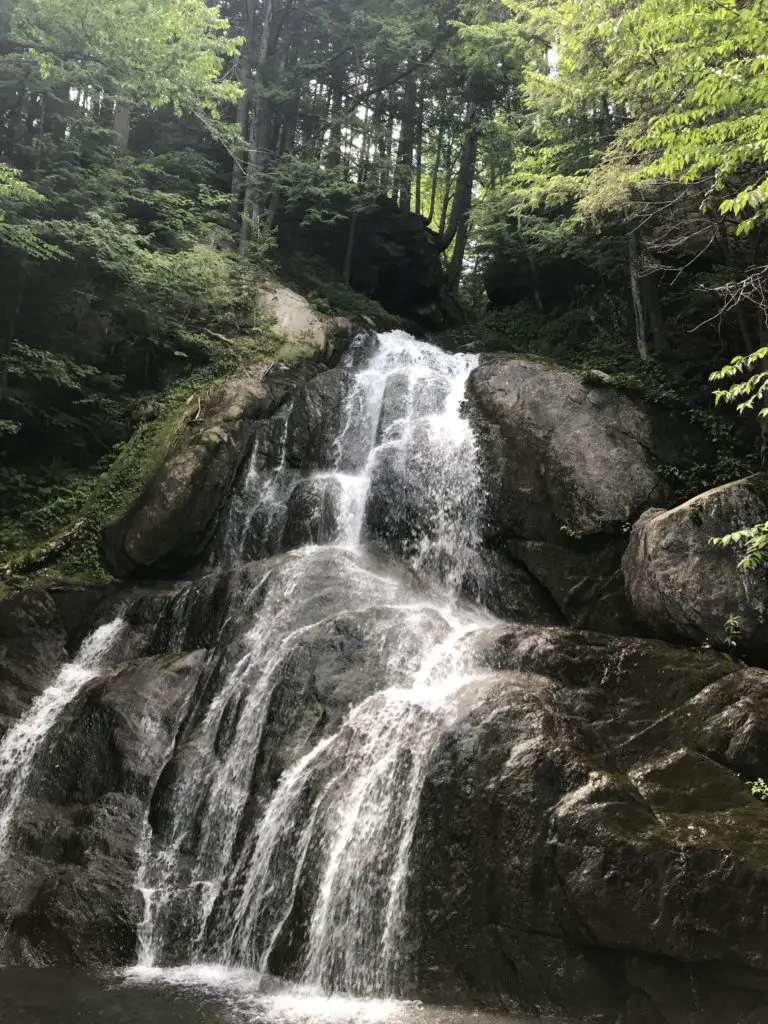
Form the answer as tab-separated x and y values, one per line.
203	996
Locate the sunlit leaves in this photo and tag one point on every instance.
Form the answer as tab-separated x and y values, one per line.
144	51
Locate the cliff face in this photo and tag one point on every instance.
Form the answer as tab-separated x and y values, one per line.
341	722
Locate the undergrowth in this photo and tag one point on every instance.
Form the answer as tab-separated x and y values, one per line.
86	502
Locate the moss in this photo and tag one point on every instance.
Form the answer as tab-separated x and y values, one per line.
93	501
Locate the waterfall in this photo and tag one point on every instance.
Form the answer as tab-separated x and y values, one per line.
280	831
23	741
401	428
325	854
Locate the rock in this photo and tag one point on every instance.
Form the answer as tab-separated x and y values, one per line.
171	523
395	259
316	420
683	587
507	589
584	581
67	893
567	468
577	850
32	648
294	319
563	455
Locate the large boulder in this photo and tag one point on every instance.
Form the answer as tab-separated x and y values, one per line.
682	586
569	466
172	521
294	319
585	846
565	455
395	258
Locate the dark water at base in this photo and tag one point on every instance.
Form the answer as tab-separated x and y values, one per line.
204	996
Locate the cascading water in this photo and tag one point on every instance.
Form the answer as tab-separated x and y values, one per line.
22	743
326	853
280	831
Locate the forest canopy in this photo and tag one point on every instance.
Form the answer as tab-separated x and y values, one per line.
600	165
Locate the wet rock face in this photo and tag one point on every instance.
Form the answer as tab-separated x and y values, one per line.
586	843
32	646
681	586
596	783
563	454
67	894
316	420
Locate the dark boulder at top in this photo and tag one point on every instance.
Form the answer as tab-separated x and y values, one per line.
683	587
509	281
585	843
395	257
568	468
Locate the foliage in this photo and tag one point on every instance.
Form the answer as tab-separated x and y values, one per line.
146	51
749	394
94	499
753	540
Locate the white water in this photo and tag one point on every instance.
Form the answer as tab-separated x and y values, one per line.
335	835
402	418
238	863
22	743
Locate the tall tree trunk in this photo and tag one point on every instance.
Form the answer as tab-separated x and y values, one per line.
762	342
8	336
406	144
365	147
636	284
57	108
457	232
654	313
446	204
333	155
244	72
417	200
259	131
121	125
347	269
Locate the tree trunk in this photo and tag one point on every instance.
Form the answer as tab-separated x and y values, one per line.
8	336
259	130
462	197
347	270
419	138
333	156
121	126
641	327
406	144
57	108
762	342
654	313
244	71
